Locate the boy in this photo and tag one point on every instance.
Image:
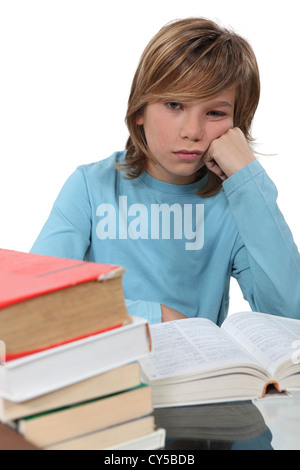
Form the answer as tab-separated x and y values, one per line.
187	205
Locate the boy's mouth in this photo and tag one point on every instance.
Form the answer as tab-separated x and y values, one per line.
188	154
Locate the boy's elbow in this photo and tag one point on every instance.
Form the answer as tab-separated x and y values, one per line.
279	303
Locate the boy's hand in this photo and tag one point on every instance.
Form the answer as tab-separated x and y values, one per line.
169	313
228	154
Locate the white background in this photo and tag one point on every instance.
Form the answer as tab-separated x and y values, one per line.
65	72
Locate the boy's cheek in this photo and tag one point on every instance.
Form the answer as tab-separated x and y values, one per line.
223	129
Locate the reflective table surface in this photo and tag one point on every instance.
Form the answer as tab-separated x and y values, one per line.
272	423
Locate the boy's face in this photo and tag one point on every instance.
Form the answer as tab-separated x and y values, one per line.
179	133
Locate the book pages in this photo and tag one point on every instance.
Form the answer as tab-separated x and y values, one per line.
267	337
190	346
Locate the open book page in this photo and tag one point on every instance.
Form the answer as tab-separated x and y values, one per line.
189	346
269	338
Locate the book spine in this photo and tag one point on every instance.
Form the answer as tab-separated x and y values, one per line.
269	384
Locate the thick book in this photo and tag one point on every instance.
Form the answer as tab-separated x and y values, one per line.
195	361
107	383
99	414
115	435
36	374
46	301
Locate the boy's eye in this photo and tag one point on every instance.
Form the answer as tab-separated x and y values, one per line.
216	114
173	105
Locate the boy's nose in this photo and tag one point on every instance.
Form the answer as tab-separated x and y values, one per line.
192	130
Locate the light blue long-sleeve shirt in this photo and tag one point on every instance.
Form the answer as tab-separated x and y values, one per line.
179	249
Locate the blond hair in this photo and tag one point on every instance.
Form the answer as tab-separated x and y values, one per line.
191	59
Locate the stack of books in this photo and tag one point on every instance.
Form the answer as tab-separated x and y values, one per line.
69	372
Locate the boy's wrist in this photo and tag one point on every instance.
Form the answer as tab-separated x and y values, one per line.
169	314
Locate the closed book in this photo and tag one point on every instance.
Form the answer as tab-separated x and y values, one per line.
46	301
95	415
107	383
115	435
36	374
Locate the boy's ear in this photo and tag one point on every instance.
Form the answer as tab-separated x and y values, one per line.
140	118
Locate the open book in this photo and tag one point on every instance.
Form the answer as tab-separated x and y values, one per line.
195	361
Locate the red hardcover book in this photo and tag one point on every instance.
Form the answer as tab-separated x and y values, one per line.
46	301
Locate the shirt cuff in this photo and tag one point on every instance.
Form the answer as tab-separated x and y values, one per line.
242	176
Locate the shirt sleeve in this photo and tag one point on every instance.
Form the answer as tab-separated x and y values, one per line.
67	234
141	308
266	260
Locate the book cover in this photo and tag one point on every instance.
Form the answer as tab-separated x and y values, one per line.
27	275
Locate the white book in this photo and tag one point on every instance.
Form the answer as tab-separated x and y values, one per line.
36	374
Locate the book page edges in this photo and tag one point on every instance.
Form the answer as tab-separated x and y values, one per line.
2	352
118	271
10	357
149	336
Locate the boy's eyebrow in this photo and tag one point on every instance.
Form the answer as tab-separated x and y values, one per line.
222	104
